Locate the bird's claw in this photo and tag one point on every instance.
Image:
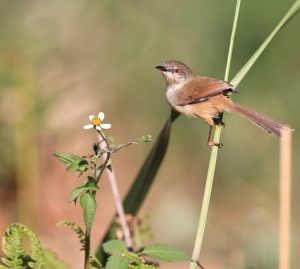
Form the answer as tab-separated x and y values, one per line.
212	144
198	264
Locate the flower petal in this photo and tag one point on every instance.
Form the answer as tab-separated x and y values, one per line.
105	125
101	116
91	117
98	127
88	126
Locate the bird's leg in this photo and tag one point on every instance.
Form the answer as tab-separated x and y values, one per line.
210	143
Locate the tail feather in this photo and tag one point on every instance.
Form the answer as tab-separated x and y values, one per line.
270	125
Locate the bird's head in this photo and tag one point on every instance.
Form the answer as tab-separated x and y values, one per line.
175	72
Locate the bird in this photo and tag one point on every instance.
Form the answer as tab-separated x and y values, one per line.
207	98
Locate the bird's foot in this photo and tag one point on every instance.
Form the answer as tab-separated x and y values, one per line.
212	144
198	264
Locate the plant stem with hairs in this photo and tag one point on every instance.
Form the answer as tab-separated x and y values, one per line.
87	249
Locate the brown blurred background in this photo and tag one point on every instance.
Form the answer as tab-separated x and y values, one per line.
62	60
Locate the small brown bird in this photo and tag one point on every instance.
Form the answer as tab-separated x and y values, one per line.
207	98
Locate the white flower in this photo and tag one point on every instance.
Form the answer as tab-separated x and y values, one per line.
96	122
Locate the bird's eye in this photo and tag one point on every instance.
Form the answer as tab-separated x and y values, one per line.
176	70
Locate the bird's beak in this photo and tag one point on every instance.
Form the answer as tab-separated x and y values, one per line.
162	68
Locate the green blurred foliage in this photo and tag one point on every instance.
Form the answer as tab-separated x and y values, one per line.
87	56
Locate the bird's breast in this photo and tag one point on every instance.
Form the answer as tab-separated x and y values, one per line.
172	94
174	99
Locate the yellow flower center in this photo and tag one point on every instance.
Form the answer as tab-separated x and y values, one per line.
96	121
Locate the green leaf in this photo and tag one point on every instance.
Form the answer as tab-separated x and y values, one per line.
114	247
74	162
75	193
117	262
95	158
89	205
165	253
78	165
73	167
91	185
22	248
67	158
83	165
76	228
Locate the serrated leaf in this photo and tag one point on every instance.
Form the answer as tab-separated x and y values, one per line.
75	193
114	247
74	162
78	165
73	167
89	205
165	253
117	262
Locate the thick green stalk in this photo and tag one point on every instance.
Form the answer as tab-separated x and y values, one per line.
87	249
217	134
206	199
213	159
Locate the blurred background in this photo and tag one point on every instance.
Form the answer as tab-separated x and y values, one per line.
62	60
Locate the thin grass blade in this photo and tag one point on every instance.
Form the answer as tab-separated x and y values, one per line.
245	69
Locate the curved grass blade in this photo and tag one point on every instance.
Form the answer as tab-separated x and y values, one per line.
146	175
286	18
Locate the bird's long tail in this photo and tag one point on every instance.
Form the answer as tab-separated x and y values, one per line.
270	125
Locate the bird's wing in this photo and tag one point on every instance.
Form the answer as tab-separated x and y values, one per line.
200	89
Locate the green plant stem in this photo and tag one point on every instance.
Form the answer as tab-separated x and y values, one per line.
213	160
87	249
230	50
206	199
107	158
217	134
